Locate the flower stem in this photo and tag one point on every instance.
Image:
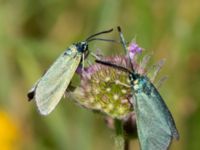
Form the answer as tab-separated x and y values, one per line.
118	127
126	144
119	138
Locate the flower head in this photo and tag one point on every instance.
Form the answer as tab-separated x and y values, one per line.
134	49
105	89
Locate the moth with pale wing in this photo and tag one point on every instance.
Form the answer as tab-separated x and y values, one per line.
50	88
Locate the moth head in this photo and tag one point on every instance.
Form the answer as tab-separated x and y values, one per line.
133	77
82	46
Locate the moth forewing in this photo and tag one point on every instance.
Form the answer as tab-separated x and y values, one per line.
152	133
155	124
55	81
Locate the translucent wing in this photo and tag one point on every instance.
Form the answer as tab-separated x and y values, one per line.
155	124
55	81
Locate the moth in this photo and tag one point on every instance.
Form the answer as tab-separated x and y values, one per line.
50	88
155	124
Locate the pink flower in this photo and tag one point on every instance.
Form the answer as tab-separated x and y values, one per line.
134	49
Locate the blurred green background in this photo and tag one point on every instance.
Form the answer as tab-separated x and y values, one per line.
34	32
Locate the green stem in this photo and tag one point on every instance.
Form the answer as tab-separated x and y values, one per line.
118	127
126	144
119	138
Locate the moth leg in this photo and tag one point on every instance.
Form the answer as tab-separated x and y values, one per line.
86	54
69	89
83	62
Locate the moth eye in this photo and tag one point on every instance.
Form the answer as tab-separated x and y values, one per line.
84	47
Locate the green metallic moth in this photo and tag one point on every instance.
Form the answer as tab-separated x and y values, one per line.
155	124
50	88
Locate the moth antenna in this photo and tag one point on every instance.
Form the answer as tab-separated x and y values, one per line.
105	40
123	42
122	39
99	33
113	65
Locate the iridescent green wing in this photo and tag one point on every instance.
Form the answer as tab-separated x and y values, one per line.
155	124
55	81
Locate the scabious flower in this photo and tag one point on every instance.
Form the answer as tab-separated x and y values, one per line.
105	89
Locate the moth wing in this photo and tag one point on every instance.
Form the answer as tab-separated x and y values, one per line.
55	81
155	124
31	92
